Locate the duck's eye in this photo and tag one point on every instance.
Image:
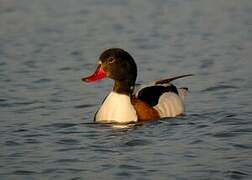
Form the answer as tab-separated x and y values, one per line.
111	60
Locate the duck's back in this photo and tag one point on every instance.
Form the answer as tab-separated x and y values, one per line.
163	96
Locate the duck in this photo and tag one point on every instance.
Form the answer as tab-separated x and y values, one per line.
127	104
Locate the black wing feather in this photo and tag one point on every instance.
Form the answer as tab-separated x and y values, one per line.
151	94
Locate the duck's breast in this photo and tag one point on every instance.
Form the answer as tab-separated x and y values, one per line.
116	108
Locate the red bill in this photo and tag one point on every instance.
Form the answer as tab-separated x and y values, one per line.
97	75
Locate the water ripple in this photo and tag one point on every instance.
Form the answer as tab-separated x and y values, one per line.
138	142
24	172
11	143
219	87
130	167
68	161
68	142
71	149
42	80
60	125
237	174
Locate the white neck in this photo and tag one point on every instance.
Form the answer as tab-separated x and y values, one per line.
116	108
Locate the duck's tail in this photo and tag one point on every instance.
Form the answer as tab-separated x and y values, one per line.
168	80
182	92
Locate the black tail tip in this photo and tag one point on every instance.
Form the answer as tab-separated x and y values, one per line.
185	88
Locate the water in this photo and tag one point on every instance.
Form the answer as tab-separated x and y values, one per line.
47	129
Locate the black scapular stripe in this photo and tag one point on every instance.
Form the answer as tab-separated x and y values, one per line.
151	94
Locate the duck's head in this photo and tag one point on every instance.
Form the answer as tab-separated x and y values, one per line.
118	65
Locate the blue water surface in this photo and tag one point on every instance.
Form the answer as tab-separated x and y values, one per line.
46	112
